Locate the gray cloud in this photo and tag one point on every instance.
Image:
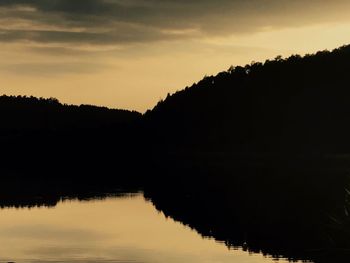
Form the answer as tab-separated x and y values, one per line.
120	22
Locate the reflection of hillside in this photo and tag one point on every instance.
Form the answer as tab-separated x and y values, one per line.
278	206
283	208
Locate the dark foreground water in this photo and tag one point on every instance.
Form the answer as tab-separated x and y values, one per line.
114	229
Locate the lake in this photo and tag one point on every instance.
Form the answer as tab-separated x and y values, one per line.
114	229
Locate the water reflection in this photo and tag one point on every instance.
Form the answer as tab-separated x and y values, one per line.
112	229
289	208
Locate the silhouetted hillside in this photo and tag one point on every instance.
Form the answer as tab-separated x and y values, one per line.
298	104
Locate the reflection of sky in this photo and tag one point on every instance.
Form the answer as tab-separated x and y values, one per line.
112	230
142	49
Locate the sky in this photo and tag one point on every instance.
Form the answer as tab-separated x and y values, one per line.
131	53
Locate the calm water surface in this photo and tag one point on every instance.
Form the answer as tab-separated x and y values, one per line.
116	229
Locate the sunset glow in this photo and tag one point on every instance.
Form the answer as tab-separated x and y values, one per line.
130	54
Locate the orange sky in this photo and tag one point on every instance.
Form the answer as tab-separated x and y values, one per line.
130	54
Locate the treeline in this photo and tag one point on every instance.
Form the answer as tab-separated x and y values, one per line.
21	114
298	104
54	145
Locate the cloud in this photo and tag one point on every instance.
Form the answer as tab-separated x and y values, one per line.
53	68
122	22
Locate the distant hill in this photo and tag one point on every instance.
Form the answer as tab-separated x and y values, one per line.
59	143
20	115
298	104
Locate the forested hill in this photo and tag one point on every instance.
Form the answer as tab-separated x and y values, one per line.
297	104
29	114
